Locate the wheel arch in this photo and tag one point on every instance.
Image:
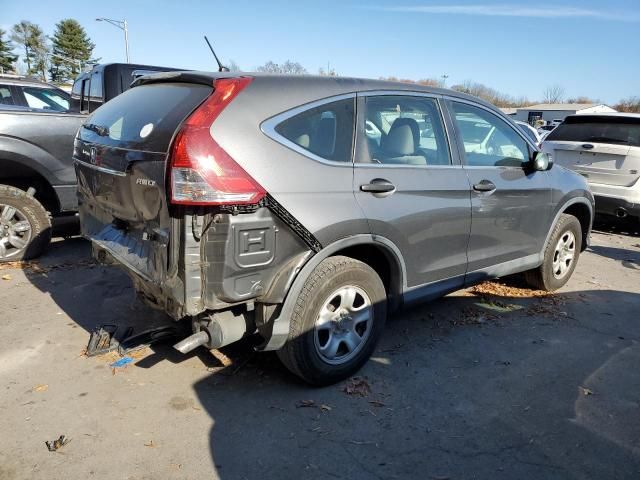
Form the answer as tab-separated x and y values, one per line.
582	209
378	252
19	175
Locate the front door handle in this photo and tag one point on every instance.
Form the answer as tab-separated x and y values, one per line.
484	186
378	185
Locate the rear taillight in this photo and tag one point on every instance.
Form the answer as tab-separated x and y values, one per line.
201	172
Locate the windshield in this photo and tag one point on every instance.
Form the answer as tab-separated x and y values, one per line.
619	131
50	99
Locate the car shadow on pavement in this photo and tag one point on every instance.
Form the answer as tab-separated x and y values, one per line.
463	387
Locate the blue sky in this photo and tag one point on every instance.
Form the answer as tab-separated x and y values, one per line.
588	47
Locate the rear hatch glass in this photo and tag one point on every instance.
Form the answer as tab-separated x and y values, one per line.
120	155
605	149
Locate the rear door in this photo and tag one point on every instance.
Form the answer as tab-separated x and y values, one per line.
604	149
412	189
510	203
120	154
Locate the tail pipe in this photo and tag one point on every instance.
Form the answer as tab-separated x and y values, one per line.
217	331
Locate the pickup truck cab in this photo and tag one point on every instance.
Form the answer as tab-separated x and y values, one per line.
106	81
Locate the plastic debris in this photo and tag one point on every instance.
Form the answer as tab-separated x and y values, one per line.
57	444
123	362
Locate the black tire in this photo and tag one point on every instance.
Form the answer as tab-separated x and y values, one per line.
27	209
301	352
543	277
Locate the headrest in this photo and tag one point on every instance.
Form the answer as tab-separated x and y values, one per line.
403	137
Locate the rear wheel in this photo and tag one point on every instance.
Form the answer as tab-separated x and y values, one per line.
25	227
560	256
336	323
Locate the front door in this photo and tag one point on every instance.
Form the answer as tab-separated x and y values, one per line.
511	203
412	189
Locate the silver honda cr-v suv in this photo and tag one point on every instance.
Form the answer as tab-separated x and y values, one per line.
304	209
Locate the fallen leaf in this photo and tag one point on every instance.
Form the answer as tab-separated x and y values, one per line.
6	277
305	403
41	388
150	444
325	408
357	386
377	403
586	391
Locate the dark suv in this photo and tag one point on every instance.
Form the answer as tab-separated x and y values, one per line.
304	209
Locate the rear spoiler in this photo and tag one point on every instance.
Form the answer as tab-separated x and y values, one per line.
188	76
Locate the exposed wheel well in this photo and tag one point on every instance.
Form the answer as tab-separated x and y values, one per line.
583	214
23	177
385	265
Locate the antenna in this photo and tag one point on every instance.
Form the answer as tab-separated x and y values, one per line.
221	68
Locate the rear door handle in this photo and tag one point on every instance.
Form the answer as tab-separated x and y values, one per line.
484	186
378	185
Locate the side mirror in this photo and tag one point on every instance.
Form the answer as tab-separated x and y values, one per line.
540	161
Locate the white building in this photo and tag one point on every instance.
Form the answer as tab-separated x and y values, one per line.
558	111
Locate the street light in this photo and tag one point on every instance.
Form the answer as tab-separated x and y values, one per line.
122	25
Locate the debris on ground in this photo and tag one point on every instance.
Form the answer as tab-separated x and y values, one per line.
57	444
34	266
306	404
103	339
499	307
502	289
40	388
221	357
585	391
6	277
150	444
549	306
472	316
357	386
124	361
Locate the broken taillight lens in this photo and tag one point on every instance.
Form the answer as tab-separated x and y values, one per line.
201	172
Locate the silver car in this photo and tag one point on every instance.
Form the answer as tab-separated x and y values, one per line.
305	209
605	149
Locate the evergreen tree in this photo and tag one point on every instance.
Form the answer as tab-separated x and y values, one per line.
31	38
7	58
71	48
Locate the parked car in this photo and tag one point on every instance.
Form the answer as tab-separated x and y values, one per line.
605	149
37	179
106	81
546	128
304	209
529	131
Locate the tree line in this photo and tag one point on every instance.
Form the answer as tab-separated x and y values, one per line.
58	58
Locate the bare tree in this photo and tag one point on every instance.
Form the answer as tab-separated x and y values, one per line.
629	105
288	67
553	94
233	66
582	99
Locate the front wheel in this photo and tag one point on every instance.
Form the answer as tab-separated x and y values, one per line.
25	227
336	322
560	256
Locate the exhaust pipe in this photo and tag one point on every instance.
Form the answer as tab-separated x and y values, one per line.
217	331
192	342
621	213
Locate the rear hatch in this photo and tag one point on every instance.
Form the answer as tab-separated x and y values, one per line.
120	154
603	148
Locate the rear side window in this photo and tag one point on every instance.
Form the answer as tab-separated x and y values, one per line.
46	99
619	131
325	131
144	118
5	95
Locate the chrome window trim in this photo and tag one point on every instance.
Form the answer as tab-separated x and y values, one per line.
268	127
410	93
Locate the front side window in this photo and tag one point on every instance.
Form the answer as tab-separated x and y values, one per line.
46	99
488	140
325	131
404	130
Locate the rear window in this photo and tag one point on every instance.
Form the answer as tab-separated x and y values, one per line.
618	131
326	131
145	117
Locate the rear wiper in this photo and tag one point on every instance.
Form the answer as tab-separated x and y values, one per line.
102	131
